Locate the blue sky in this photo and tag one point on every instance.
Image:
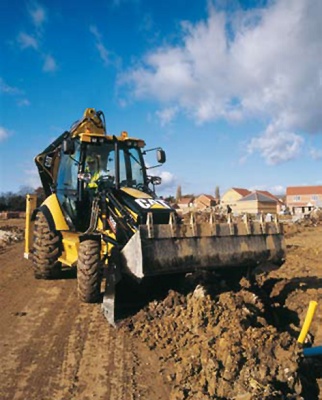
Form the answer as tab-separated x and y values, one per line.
233	94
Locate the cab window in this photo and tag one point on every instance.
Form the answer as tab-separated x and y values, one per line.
68	170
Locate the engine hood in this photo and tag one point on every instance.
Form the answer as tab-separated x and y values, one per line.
142	203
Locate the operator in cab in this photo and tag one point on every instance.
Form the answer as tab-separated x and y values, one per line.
93	167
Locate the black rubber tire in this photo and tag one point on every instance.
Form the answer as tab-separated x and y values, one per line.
46	249
89	272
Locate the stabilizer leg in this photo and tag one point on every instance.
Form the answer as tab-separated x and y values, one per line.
113	276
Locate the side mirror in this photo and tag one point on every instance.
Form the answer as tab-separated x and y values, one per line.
161	157
68	146
155	180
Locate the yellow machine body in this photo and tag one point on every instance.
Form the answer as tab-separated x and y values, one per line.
120	223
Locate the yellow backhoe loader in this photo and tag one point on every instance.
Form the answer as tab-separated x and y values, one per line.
110	224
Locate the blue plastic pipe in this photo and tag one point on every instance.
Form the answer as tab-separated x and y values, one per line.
312	351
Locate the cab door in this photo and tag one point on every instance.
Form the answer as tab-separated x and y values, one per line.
67	184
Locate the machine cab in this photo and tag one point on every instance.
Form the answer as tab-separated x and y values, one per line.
85	161
115	164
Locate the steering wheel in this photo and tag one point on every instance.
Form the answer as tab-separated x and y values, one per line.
105	180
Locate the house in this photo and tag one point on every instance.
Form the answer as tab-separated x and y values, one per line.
257	202
231	197
185	203
204	201
302	199
280	205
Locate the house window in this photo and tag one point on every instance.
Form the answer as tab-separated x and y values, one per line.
297	198
314	197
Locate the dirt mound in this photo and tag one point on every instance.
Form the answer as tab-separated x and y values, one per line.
291	229
220	346
300	223
10	234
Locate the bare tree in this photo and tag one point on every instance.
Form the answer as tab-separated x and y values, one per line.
217	193
178	193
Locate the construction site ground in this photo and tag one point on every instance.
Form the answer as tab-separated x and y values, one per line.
206	337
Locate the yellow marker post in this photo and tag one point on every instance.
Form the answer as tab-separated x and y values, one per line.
31	204
307	322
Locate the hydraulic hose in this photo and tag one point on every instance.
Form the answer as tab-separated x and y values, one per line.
312	351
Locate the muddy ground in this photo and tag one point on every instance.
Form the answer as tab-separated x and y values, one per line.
208	337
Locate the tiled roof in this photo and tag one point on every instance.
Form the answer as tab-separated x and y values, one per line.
266	193
209	196
241	191
259	196
185	200
297	190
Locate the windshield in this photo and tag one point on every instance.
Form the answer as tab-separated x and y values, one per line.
102	158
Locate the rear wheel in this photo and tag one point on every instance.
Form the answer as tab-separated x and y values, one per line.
46	249
89	271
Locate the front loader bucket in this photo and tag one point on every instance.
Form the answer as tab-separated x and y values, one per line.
173	249
167	249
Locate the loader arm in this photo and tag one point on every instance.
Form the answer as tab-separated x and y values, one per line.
47	163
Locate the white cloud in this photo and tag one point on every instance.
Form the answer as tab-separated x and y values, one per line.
168	184
167	178
4	133
11	90
32	177
35	41
276	190
267	66
50	64
103	52
108	57
276	147
37	14
166	115
316	154
14	92
23	102
25	41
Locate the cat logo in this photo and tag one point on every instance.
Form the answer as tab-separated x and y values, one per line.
152	203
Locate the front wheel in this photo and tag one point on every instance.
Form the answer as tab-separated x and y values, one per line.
89	271
46	249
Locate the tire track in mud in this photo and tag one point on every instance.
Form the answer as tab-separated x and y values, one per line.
121	365
83	375
55	348
73	354
37	316
41	348
98	363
